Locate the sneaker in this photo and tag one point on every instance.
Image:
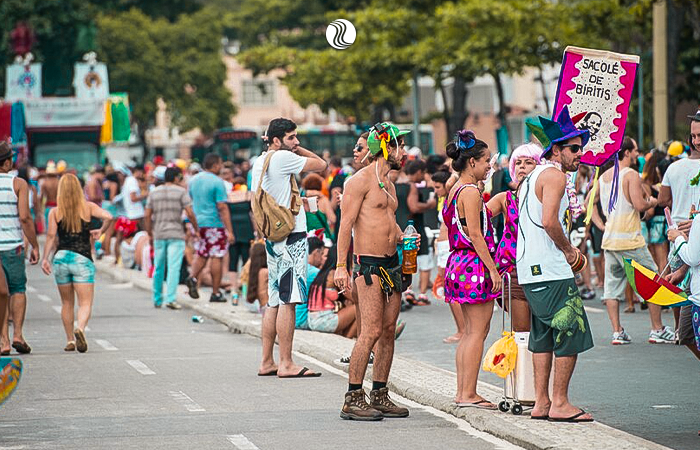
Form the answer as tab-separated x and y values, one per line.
400	325
621	338
587	294
379	400
422	300
345	360
173	305
217	298
357	408
191	284
665	335
405	305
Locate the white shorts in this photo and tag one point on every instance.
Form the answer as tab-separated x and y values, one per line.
426	262
286	265
443	253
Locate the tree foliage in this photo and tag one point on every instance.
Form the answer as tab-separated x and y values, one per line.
179	61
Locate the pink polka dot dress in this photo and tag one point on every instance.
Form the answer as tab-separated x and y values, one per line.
507	247
466	278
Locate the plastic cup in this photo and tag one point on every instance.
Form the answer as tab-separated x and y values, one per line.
313	204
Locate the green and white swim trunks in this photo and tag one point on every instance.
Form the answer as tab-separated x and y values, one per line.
558	320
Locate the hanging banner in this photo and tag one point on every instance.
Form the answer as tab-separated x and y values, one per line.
597	86
22	82
91	80
63	112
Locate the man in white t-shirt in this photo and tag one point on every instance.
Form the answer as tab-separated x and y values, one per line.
286	260
677	192
134	196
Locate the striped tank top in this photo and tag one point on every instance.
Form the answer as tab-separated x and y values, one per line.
10	227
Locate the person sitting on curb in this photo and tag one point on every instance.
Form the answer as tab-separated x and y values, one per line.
329	310
316	260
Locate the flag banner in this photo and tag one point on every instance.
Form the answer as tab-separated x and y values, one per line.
91	80
597	86
22	82
64	112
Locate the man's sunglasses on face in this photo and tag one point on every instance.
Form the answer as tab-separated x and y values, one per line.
575	148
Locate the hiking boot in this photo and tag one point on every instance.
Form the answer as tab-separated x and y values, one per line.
191	284
217	298
356	407
379	400
173	305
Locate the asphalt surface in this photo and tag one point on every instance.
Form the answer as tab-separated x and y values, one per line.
645	389
154	379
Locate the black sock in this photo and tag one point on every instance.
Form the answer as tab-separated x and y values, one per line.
354	387
378	385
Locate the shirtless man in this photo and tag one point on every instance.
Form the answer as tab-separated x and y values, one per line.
369	212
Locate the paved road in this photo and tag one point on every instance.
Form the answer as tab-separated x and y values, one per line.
647	390
153	379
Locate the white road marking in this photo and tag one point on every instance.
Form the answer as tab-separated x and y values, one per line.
140	367
591	309
186	401
241	442
31	289
44	298
57	308
128	285
462	425
664	406
105	344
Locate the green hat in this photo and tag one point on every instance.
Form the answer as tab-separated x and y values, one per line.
380	135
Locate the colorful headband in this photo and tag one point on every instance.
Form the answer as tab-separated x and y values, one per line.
465	139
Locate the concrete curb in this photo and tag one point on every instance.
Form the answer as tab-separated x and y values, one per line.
415	380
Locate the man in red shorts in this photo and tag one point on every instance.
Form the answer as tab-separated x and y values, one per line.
209	196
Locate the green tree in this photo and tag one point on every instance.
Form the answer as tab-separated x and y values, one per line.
178	61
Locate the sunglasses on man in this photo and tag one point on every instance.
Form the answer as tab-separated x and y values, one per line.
575	148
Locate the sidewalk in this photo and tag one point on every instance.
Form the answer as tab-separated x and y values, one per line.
415	380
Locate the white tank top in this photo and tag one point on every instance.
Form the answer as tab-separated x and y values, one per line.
623	228
11	235
538	259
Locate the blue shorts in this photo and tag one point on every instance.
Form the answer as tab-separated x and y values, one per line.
654	230
323	321
15	272
70	267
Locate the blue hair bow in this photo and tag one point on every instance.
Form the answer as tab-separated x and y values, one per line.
465	139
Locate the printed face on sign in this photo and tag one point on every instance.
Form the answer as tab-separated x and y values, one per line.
592	122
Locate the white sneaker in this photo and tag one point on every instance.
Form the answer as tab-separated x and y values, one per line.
621	338
666	335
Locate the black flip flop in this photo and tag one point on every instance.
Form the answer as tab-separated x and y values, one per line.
545	417
268	374
571	419
5	353
22	347
302	374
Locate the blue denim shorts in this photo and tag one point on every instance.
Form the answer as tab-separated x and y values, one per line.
323	321
70	267
14	268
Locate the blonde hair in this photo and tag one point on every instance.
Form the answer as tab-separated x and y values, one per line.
71	203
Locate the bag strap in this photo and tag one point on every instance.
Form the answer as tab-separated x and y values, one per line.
266	164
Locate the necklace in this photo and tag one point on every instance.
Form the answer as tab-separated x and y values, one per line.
381	183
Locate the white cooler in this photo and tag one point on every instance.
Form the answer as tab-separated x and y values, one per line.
520	383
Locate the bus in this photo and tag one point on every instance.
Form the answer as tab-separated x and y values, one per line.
341	142
233	144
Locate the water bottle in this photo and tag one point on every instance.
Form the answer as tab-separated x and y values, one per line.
410	249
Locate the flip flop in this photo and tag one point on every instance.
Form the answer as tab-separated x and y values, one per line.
5	353
571	419
545	417
481	404
302	374
22	347
451	340
268	374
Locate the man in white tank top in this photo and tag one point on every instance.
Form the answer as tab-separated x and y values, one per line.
545	255
15	223
622	239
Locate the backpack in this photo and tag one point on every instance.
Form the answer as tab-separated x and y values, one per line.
274	221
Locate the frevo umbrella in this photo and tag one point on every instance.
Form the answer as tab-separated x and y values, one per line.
10	372
652	287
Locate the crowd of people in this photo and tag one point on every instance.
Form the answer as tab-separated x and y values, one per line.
315	243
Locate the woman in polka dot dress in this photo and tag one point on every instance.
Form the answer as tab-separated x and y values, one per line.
523	161
471	276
